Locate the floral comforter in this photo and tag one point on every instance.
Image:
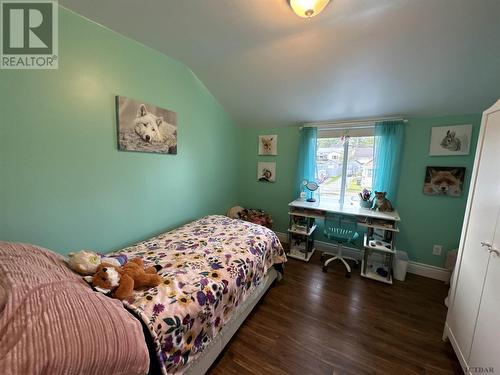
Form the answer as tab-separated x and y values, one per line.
209	267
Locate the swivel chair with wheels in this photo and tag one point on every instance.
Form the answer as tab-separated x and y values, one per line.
342	230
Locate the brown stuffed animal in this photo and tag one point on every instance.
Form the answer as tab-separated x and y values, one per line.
123	280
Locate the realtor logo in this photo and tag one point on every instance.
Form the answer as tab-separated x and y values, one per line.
29	35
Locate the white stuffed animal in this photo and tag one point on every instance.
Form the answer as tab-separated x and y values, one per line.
233	212
85	262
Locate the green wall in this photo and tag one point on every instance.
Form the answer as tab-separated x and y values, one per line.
63	183
272	197
429	220
426	220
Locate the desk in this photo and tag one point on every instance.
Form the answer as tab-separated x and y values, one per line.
381	224
323	208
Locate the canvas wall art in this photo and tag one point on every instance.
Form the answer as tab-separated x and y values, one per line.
266	171
268	144
145	127
444	181
450	140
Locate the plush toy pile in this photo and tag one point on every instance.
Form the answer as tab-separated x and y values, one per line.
114	275
252	215
121	281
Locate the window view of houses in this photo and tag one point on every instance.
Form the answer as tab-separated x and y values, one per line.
330	156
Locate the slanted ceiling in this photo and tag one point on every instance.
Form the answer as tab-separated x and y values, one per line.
359	58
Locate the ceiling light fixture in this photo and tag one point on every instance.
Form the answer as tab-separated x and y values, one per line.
308	8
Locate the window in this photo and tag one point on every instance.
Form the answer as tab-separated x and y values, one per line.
344	164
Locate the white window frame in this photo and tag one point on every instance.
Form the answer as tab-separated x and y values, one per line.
343	131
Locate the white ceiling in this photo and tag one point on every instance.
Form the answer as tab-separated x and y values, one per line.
359	58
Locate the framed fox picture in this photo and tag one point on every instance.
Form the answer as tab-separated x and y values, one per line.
443	181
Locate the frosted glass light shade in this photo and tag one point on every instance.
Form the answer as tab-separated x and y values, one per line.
308	8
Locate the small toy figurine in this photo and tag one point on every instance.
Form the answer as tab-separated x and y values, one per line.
381	203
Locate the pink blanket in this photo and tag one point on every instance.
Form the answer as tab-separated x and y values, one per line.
51	322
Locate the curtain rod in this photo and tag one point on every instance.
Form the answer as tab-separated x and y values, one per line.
351	124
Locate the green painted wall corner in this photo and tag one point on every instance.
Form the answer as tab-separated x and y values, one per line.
426	220
63	183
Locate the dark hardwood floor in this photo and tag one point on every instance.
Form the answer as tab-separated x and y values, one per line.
323	323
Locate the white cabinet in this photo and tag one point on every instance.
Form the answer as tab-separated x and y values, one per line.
486	345
473	321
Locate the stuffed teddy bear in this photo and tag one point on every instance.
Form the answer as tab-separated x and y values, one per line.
85	262
121	281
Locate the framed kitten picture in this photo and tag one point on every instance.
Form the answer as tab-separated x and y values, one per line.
268	145
450	140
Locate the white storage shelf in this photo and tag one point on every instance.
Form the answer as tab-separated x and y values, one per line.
303	214
302	226
377	248
299	253
370	262
376	226
371	272
302	232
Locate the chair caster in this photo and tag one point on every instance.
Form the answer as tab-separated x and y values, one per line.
348	275
325	269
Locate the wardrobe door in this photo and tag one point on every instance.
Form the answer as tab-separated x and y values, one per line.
485	351
480	228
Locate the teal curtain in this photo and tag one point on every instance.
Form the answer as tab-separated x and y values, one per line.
307	155
389	137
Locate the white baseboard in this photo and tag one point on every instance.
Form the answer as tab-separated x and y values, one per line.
416	268
429	271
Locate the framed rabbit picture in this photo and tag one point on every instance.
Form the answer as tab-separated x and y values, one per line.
450	140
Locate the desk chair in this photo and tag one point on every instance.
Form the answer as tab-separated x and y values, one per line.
342	230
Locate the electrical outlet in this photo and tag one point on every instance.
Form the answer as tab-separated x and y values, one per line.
436	250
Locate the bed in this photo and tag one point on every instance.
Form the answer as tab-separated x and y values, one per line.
210	267
214	271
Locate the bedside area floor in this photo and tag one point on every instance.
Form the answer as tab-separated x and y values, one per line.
323	323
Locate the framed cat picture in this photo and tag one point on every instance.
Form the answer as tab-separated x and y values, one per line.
268	145
450	140
266	171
